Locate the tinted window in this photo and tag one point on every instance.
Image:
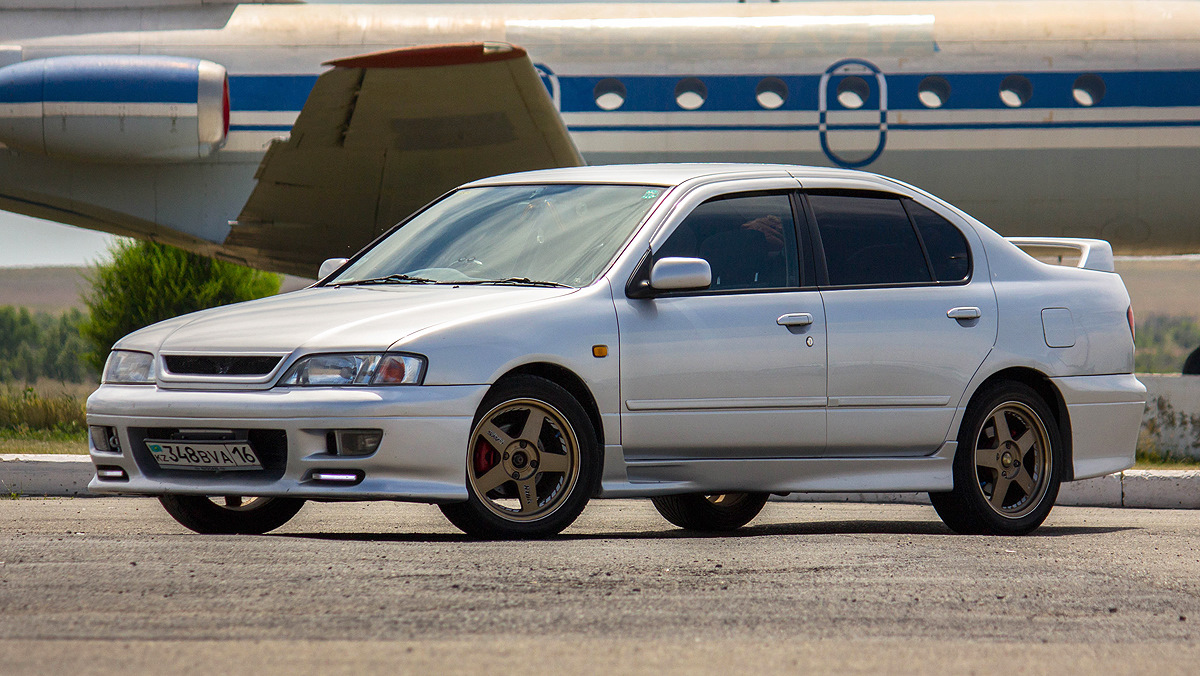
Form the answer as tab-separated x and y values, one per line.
868	240
946	246
748	240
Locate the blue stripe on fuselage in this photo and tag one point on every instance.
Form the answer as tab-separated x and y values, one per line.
269	92
736	93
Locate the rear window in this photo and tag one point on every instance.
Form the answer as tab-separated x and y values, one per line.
868	241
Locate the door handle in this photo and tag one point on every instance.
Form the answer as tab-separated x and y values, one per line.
961	313
795	319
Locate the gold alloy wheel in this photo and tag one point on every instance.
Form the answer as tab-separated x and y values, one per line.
524	460
726	499
1013	459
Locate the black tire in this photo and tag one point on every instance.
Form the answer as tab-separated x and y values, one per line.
230	515
533	461
718	512
998	422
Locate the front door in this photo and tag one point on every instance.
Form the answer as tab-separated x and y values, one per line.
736	370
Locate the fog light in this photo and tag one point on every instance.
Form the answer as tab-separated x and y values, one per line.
355	442
336	476
111	473
104	439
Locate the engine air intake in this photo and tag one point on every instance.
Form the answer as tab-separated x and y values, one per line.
220	365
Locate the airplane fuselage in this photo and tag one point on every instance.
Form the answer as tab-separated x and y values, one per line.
1039	118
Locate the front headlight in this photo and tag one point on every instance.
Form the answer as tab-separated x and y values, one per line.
325	370
125	367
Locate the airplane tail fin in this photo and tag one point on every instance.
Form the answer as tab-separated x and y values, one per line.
383	134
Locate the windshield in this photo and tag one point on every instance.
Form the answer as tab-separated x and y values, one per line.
556	235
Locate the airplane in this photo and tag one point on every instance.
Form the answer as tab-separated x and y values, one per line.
280	134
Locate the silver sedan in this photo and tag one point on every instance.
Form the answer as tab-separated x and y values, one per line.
703	335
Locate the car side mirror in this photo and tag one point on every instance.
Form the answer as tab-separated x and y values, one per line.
679	274
330	266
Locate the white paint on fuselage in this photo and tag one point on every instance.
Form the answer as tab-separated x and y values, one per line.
1100	168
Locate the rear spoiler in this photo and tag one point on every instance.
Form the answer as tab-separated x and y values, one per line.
1094	254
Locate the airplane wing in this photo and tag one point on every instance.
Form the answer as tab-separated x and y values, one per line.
385	133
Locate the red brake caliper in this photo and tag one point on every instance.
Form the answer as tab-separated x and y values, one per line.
485	458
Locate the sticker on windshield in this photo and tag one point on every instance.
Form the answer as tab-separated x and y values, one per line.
651	194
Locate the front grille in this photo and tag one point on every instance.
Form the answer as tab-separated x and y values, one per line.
269	445
219	365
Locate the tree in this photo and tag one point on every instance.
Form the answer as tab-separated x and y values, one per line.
148	282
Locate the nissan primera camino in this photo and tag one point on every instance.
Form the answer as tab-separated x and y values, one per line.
702	335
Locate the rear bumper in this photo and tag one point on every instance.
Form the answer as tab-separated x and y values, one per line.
422	456
1106	415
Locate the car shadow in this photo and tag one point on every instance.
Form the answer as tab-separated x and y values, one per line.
847	527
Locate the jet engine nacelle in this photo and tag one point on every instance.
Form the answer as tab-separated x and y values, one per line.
115	108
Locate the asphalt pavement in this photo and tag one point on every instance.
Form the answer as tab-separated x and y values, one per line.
115	586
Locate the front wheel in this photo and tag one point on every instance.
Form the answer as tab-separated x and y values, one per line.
1008	467
533	461
716	512
231	514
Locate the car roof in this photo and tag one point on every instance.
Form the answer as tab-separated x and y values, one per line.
666	174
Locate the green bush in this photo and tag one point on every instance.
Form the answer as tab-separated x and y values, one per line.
1163	343
147	282
38	345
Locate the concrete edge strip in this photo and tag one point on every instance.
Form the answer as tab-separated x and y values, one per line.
31	475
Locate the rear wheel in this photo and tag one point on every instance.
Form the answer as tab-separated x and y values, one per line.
230	514
711	512
533	462
1008	467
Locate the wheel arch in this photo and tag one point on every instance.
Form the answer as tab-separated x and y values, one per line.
569	381
1040	383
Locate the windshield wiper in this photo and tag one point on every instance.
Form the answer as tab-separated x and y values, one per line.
517	281
389	279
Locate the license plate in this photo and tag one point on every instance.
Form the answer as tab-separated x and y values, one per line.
204	454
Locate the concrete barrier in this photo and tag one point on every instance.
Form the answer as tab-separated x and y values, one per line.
45	475
1171	425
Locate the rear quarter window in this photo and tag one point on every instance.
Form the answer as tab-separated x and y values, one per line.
945	244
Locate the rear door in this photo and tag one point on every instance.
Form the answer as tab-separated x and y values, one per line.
910	317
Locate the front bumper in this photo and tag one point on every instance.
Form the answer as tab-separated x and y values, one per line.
422	456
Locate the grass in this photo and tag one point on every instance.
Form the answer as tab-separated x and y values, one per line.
26	409
47	417
1151	460
15	442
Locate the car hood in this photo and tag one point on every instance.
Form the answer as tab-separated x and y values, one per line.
329	318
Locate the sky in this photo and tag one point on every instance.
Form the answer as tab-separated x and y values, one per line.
32	242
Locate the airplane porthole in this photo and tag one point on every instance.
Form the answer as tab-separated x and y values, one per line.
1088	90
933	91
690	93
1015	91
609	94
853	92
771	93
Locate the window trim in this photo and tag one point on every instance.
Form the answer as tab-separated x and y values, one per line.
819	248
638	284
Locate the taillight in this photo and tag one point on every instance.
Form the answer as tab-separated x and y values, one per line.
1129	316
